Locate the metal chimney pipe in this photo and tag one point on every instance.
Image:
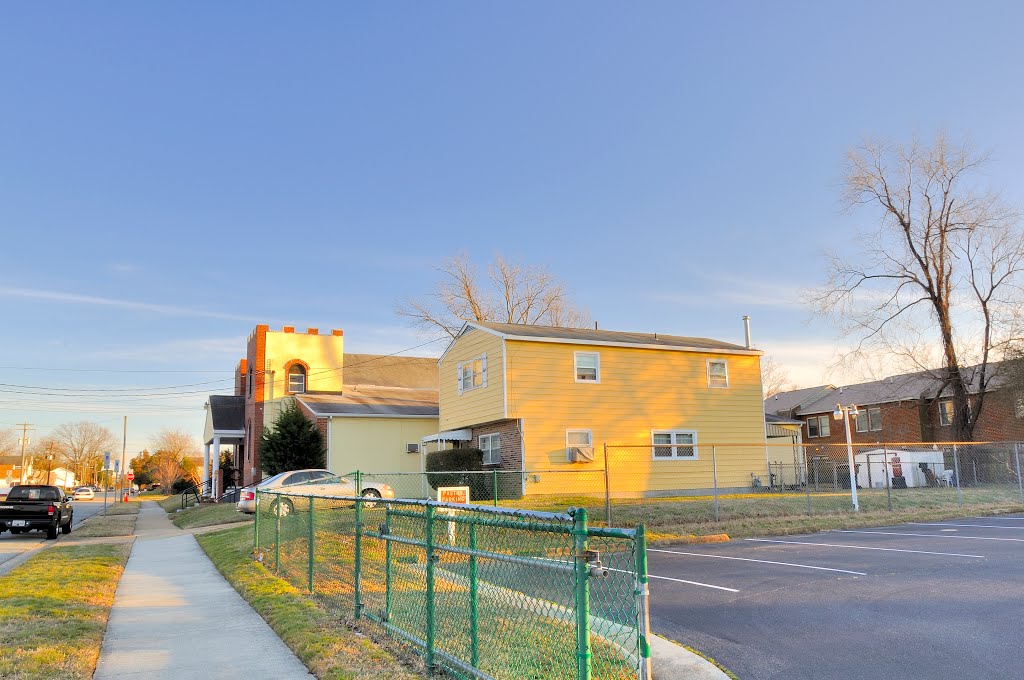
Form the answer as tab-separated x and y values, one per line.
746	328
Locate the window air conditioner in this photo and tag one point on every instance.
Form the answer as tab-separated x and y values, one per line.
580	454
412	448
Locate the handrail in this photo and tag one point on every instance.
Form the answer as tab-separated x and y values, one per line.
196	490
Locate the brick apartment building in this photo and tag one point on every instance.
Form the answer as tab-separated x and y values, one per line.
904	408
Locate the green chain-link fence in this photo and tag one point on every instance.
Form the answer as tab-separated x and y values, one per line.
479	592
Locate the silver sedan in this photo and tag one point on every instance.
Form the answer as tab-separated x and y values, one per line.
311	482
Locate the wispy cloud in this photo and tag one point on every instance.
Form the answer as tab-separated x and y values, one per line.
80	299
190	350
125	268
718	289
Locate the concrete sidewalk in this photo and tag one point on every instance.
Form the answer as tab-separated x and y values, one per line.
174	615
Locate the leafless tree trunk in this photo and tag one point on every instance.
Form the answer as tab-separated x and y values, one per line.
81	446
943	264
510	293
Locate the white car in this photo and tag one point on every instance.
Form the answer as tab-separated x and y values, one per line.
311	482
84	493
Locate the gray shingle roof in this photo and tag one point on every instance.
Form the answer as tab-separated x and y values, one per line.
392	371
906	387
784	402
599	336
374	401
227	412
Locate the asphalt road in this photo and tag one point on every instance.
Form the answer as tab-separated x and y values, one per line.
940	600
12	545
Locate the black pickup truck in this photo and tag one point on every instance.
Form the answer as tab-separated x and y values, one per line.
35	506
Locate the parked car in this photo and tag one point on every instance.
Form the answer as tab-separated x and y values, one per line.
84	493
37	507
311	482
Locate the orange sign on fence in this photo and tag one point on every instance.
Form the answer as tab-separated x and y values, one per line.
453	494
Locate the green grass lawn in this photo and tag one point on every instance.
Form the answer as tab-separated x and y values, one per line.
208	515
119	520
329	648
54	611
169	503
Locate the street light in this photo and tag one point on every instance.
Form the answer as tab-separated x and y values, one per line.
843	413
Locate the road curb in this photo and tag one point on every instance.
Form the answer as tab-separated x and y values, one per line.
671	660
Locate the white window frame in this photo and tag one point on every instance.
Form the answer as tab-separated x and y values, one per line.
1018	407
675	445
870	419
943	420
725	364
493	447
460	374
576	367
302	375
822	423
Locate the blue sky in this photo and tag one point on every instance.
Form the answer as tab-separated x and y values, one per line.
171	174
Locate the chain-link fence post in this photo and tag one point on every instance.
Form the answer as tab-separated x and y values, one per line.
1020	483
359	483
311	532
494	480
607	490
888	484
807	487
358	554
430	587
714	477
582	587
956	468
644	624
256	524
277	534
474	602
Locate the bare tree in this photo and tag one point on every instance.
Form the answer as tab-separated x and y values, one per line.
774	377
81	445
942	267
8	442
510	293
166	469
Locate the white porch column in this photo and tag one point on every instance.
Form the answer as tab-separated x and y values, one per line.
216	467
206	463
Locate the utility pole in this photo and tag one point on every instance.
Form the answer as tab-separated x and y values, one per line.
124	470
25	427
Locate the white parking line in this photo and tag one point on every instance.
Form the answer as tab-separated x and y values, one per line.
748	559
902	533
679	580
979	526
863	547
1019	519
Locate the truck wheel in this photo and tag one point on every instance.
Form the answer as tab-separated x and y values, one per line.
51	532
67	527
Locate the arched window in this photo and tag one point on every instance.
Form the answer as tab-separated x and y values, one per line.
296	379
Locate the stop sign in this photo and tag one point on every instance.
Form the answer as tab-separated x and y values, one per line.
130	476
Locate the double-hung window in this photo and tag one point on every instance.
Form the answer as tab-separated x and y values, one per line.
674	444
296	379
472	374
718	373
946	412
490	444
869	419
588	367
818	426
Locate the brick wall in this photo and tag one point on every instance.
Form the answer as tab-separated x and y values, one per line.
914	421
255	357
511	443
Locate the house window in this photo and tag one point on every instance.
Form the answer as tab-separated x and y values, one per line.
945	412
579	446
490	444
870	419
588	367
472	374
297	379
718	373
669	444
818	426
1018	407
248	381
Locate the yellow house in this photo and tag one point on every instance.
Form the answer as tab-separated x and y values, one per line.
546	400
